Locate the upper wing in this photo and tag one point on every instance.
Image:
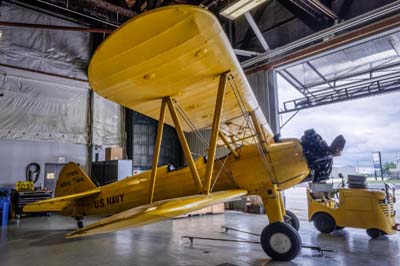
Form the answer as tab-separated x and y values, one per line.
58	203
157	211
176	51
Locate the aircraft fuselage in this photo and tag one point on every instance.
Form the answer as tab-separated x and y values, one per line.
247	172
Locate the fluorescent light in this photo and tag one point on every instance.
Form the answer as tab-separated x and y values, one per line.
240	7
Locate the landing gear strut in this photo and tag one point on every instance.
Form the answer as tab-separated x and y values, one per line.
280	241
79	221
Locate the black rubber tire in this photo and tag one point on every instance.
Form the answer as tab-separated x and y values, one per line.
375	233
270	233
80	224
324	222
291	218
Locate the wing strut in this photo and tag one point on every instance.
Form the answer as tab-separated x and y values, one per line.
184	144
157	148
228	145
215	131
260	133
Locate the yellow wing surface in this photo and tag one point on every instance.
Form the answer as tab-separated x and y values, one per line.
176	51
58	203
157	211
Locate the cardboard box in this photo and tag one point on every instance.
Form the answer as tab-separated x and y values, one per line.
113	153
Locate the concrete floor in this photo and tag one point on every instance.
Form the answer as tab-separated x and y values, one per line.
39	241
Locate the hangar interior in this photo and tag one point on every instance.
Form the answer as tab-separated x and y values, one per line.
329	51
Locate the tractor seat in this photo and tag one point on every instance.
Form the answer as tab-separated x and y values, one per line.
357	181
321	187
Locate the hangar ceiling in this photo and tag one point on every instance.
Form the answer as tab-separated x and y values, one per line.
280	21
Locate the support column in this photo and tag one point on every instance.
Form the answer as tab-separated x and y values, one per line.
273	101
90	144
184	144
215	131
264	86
157	149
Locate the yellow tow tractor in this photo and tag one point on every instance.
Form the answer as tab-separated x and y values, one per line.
354	206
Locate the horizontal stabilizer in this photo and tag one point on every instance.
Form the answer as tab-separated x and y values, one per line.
58	203
157	211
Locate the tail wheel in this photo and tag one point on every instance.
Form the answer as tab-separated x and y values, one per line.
80	224
324	222
375	233
291	218
280	241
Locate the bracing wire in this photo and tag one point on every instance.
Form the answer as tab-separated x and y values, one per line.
250	125
204	142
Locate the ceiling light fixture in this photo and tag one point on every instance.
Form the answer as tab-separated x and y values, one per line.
240	7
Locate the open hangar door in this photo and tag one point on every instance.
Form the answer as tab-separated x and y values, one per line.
358	70
353	59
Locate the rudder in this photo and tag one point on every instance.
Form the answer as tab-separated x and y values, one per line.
71	180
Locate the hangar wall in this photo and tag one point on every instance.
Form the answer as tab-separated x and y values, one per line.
141	137
44	110
16	155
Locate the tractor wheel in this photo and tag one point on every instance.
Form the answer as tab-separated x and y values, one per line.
280	241
324	222
375	233
291	218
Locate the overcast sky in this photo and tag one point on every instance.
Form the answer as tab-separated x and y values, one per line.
368	125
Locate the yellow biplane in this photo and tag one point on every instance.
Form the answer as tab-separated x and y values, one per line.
179	59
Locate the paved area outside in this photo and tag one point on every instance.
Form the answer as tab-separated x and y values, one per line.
40	241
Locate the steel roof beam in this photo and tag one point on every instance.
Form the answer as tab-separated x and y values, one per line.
344	77
344	9
283	55
257	31
319	74
250	33
294	82
376	87
53	27
314	22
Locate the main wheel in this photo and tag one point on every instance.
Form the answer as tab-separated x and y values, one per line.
291	218
280	241
375	233
324	222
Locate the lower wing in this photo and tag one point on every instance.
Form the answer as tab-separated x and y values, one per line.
157	211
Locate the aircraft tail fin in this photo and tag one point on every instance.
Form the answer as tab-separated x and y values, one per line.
72	180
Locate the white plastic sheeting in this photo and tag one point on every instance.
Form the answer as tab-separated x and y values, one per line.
59	52
39	107
42	109
106	122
